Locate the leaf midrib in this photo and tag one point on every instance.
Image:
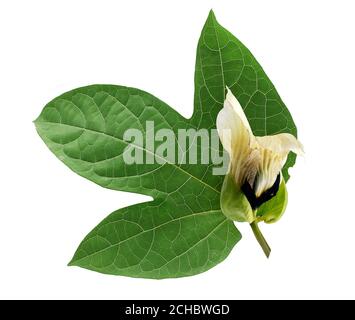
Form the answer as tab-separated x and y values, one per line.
145	231
220	57
125	142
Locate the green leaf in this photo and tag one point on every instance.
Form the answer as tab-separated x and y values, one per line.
84	128
183	226
222	60
272	210
155	240
182	232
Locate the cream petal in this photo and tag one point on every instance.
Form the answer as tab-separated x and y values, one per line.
270	166
225	128
235	133
281	143
232	102
274	152
232	125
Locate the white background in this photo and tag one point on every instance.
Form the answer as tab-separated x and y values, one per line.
49	47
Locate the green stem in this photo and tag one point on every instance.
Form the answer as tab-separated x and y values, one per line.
259	236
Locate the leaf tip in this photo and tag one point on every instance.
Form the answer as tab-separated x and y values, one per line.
211	15
72	263
35	121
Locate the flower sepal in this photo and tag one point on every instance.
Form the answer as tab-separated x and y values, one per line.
234	204
272	210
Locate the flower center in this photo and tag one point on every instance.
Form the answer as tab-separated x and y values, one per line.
256	202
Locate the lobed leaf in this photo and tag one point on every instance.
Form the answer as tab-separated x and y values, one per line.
182	232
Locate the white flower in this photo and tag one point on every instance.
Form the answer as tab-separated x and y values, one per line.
255	162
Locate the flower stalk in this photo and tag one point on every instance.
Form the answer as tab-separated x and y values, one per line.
260	238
